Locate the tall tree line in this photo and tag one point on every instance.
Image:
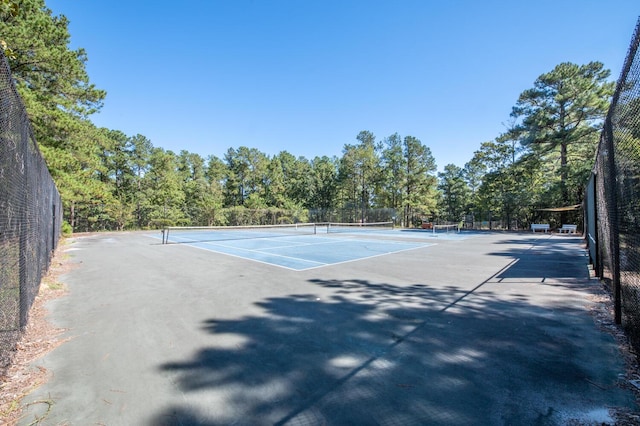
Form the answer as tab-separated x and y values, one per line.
544	158
109	180
147	186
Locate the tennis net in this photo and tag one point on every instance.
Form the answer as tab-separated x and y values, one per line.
333	227
193	234
446	228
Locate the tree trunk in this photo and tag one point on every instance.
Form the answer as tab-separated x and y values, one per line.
72	215
563	180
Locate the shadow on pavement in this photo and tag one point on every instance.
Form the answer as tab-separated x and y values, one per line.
558	259
378	353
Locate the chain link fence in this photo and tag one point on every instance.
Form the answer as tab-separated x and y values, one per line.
30	215
612	199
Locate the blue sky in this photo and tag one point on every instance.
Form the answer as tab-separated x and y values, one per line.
307	76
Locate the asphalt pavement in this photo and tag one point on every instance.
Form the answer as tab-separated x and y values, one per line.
484	329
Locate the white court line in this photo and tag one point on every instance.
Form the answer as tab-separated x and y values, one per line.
356	237
298	259
327	241
287	246
368	257
272	254
320	264
221	243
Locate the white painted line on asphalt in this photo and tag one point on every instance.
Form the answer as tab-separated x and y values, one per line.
252	259
317	264
369	257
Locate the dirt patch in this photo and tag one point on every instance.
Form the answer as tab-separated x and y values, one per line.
40	337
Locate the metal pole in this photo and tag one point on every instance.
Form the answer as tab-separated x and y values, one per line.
611	189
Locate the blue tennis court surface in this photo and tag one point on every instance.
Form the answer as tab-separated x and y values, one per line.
306	251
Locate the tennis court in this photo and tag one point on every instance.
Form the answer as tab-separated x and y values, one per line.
306	246
489	329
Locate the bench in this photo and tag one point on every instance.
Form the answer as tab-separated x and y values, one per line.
569	229
539	227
